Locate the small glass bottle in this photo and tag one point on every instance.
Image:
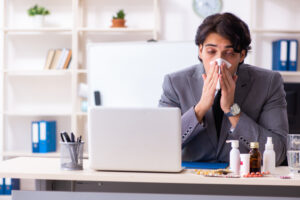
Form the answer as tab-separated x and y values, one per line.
255	157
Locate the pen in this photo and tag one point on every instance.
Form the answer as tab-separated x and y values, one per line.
67	138
62	137
72	137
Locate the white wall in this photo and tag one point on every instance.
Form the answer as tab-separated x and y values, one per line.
180	22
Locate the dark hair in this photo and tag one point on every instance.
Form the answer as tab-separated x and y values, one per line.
228	26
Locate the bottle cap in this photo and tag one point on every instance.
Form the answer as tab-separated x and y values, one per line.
254	145
234	143
269	144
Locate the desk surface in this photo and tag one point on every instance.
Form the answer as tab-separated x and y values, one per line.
49	169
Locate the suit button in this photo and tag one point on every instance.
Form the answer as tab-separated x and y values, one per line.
241	138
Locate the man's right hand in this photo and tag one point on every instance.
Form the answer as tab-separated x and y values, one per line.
208	91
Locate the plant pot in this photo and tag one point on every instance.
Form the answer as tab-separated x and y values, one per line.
38	20
118	23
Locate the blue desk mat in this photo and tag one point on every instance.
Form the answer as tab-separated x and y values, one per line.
204	165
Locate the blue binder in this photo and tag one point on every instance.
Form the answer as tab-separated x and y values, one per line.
15	184
204	165
293	55
35	137
280	55
7	188
2	186
47	136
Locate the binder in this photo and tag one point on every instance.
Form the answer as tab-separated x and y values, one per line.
35	137
47	141
293	57
15	184
7	188
2	186
203	165
280	52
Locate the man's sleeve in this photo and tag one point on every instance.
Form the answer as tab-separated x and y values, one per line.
189	122
272	122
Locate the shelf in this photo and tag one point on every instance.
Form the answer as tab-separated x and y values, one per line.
25	154
279	31
82	71
289	73
115	30
5	197
83	114
37	72
290	77
26	30
31	93
29	154
28	114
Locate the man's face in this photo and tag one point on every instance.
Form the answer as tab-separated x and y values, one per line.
215	46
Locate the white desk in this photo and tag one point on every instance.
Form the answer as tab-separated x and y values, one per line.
186	182
49	168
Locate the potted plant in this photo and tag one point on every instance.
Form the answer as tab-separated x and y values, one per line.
38	13
119	20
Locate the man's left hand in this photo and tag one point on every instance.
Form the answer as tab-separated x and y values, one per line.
228	83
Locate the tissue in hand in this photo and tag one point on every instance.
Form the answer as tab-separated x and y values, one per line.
219	62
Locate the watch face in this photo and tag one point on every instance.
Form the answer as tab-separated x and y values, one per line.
235	109
204	8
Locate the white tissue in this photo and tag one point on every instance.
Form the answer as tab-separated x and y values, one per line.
219	62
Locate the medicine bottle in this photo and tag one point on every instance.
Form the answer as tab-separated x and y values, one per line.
255	157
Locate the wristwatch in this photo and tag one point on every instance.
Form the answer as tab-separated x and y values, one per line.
234	110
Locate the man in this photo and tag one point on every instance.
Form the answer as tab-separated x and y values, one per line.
250	106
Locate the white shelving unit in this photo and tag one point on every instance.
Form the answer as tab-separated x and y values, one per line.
28	92
273	20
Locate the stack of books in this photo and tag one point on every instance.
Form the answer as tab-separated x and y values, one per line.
285	55
58	59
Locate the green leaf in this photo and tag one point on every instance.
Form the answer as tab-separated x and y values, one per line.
37	10
120	15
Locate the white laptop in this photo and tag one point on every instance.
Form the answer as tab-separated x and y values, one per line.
134	139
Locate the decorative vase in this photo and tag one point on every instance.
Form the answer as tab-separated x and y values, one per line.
118	23
38	20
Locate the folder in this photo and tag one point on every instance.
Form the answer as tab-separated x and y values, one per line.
2	186
15	184
35	137
293	57
280	52
203	165
47	141
7	188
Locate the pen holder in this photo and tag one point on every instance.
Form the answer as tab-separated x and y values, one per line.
71	155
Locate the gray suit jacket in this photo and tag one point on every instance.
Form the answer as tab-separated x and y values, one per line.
261	97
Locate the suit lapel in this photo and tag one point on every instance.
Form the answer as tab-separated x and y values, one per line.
243	85
196	85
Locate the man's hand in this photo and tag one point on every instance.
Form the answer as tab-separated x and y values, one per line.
228	84
208	91
228	89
